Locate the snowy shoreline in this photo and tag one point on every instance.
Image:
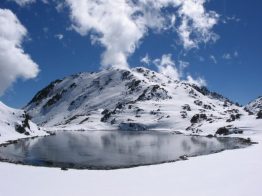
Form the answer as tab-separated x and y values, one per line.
228	173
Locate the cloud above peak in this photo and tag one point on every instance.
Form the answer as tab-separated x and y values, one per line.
120	25
167	66
14	62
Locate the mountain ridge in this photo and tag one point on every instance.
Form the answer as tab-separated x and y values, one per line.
136	98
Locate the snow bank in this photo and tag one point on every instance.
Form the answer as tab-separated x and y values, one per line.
10	122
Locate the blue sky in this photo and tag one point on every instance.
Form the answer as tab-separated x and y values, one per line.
230	66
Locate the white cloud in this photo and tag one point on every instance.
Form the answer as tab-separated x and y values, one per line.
59	36
14	62
231	19
182	66
227	56
27	2
23	2
230	56
235	54
166	65
213	59
199	81
120	25
201	59
197	23
145	60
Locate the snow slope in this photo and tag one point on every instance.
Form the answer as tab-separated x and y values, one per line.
134	99
15	124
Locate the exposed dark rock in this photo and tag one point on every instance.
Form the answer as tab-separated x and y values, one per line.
77	102
119	106
20	129
140	70
186	107
107	115
183	157
139	110
153	112
113	121
192	93
154	92
73	85
198	118
54	99
198	102
234	117
207	107
72	118
204	91
25	122
223	131
248	111
125	75
86	119
133	85
259	115
105	111
183	114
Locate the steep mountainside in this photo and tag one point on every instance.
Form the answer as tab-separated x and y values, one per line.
131	99
255	106
16	124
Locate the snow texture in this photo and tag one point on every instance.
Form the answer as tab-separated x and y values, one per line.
133	98
15	124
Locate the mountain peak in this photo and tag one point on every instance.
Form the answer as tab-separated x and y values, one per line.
136	97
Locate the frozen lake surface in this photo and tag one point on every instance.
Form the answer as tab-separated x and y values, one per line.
103	150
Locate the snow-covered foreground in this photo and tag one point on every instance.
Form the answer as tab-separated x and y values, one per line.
229	173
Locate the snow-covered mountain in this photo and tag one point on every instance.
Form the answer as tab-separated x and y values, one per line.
132	99
255	107
16	124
